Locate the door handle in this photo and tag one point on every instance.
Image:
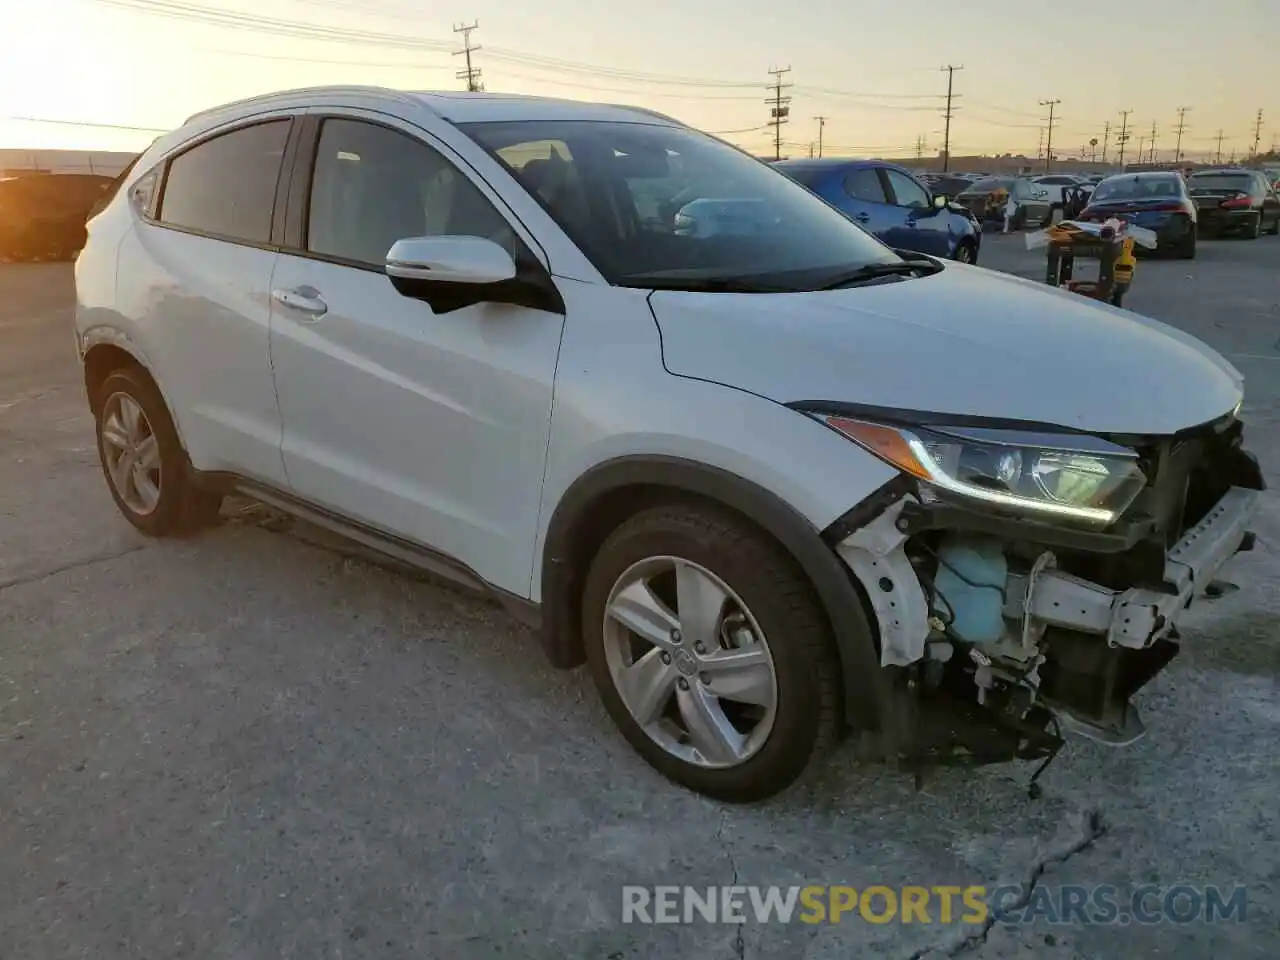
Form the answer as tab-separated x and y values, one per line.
861	217
303	299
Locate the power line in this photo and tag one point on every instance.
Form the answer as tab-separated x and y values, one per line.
1123	136
1048	150
950	70
1177	150
780	111
470	74
822	123
87	123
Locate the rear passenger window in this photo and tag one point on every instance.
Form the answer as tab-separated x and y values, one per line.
227	186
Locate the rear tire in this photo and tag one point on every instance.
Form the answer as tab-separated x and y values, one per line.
1254	230
1186	249
967	252
783	617
1275	227
142	459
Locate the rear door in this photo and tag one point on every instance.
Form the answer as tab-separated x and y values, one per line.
867	201
1270	203
922	228
199	262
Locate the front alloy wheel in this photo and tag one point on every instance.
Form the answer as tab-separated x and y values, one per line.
711	651
690	662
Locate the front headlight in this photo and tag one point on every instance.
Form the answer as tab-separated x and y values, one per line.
1063	476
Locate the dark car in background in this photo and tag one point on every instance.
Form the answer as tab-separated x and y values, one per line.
42	215
1235	201
986	198
887	201
1155	200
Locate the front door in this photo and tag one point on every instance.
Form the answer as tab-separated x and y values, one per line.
429	426
921	226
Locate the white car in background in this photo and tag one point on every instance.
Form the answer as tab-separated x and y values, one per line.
1049	189
769	479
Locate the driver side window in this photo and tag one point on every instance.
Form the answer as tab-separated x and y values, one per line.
907	192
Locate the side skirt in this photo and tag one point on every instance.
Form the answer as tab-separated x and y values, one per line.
389	545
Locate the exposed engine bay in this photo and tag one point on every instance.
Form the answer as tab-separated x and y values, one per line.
1017	630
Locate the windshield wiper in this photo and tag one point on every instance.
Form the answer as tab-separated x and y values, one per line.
874	271
701	284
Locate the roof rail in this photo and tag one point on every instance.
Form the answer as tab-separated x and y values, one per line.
299	91
652	113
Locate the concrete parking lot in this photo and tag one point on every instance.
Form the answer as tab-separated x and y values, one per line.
253	745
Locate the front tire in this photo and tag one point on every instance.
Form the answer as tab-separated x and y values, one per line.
143	461
711	651
966	252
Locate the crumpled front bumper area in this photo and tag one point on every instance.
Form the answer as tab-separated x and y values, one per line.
1023	626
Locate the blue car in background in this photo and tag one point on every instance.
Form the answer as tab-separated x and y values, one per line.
887	201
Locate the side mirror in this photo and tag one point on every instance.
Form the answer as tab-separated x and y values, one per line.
940	201
469	260
449	273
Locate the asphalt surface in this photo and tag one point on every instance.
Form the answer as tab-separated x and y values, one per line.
252	745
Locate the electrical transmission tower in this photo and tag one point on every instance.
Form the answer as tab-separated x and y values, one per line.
950	70
780	110
1177	150
470	74
1152	155
822	123
1123	136
1048	150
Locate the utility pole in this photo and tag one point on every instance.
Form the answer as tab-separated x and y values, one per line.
1040	145
1123	136
1177	150
950	70
780	110
822	122
1048	149
1153	142
919	147
1142	146
1257	133
810	149
470	74
1106	134
1218	159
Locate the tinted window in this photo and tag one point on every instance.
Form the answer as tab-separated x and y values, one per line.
864	184
373	186
227	186
1230	182
906	191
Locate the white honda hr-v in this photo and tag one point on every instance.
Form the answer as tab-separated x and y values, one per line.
770	479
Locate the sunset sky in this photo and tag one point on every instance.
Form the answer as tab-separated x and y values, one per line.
871	68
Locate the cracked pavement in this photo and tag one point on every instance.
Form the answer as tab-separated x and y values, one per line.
249	745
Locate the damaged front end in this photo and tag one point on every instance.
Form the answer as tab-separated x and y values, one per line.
1008	621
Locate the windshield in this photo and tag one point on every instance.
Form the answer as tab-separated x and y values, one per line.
1233	182
1136	188
661	203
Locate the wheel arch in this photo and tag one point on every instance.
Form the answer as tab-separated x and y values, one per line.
104	353
602	498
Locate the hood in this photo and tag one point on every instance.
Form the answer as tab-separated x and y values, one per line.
964	342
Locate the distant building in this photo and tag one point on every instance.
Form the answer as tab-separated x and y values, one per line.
104	162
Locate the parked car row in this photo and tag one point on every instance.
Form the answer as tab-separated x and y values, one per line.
42	215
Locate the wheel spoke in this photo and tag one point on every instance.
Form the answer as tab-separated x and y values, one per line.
148	453
646	686
146	488
744	675
710	731
113	432
637	609
131	415
699	603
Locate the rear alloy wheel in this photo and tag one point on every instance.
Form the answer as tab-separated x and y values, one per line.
710	652
143	460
